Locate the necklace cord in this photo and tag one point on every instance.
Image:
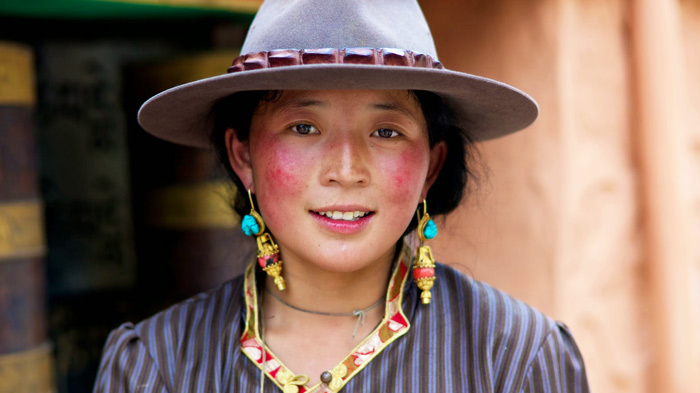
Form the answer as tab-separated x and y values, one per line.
261	325
359	314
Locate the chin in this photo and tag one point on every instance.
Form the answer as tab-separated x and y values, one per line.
343	267
349	261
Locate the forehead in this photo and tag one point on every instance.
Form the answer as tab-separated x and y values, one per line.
400	102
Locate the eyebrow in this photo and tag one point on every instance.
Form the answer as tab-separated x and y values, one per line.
304	103
298	103
392	107
301	102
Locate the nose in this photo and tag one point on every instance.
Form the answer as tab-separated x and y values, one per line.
347	161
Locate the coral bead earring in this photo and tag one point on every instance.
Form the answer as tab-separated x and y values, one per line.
269	260
424	263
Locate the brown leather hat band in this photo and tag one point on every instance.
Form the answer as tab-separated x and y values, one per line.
368	56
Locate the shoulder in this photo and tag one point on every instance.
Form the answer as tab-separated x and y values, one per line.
517	342
209	311
154	346
557	366
493	312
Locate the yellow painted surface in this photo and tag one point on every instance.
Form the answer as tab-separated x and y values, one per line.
21	229
17	80
28	371
247	6
192	206
177	71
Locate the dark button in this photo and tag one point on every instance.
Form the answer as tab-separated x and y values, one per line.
326	377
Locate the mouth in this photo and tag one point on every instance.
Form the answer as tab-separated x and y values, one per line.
344	215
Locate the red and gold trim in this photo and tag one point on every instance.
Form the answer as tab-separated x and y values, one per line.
393	325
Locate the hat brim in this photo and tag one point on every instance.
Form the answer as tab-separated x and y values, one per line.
485	108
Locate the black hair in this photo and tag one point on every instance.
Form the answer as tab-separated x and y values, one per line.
236	111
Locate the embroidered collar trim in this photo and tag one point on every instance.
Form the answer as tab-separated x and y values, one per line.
393	325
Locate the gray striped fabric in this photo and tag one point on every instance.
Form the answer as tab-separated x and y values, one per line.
471	338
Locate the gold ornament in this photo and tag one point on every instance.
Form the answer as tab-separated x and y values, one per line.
268	252
424	263
268	258
290	382
336	377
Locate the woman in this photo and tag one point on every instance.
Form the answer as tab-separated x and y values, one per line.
340	146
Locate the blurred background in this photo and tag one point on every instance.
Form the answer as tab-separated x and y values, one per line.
592	214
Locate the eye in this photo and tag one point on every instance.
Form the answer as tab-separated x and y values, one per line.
304	129
385	133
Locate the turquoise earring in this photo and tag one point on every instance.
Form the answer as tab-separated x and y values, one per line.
424	264
268	252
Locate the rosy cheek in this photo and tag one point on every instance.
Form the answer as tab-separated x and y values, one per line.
273	162
278	170
406	171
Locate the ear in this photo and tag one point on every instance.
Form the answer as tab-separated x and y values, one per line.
438	153
239	158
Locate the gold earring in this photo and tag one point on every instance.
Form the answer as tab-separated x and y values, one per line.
424	263
268	252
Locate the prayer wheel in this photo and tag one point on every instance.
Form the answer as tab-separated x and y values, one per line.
189	239
26	360
86	190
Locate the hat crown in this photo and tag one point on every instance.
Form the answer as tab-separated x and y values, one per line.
313	24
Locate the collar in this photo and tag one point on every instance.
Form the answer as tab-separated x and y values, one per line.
393	325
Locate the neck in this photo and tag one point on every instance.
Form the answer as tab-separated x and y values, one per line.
310	343
312	288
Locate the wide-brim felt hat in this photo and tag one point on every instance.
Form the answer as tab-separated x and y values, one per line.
339	44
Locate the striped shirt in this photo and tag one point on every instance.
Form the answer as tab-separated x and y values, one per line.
471	338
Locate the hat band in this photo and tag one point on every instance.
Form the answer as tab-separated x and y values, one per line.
365	56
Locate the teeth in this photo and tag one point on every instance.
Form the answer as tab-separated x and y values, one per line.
346	216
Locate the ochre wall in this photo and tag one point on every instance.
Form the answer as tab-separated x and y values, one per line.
690	13
690	17
565	214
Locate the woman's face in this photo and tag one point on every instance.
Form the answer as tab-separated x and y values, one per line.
337	174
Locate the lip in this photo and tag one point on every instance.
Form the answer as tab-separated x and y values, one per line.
342	226
342	208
